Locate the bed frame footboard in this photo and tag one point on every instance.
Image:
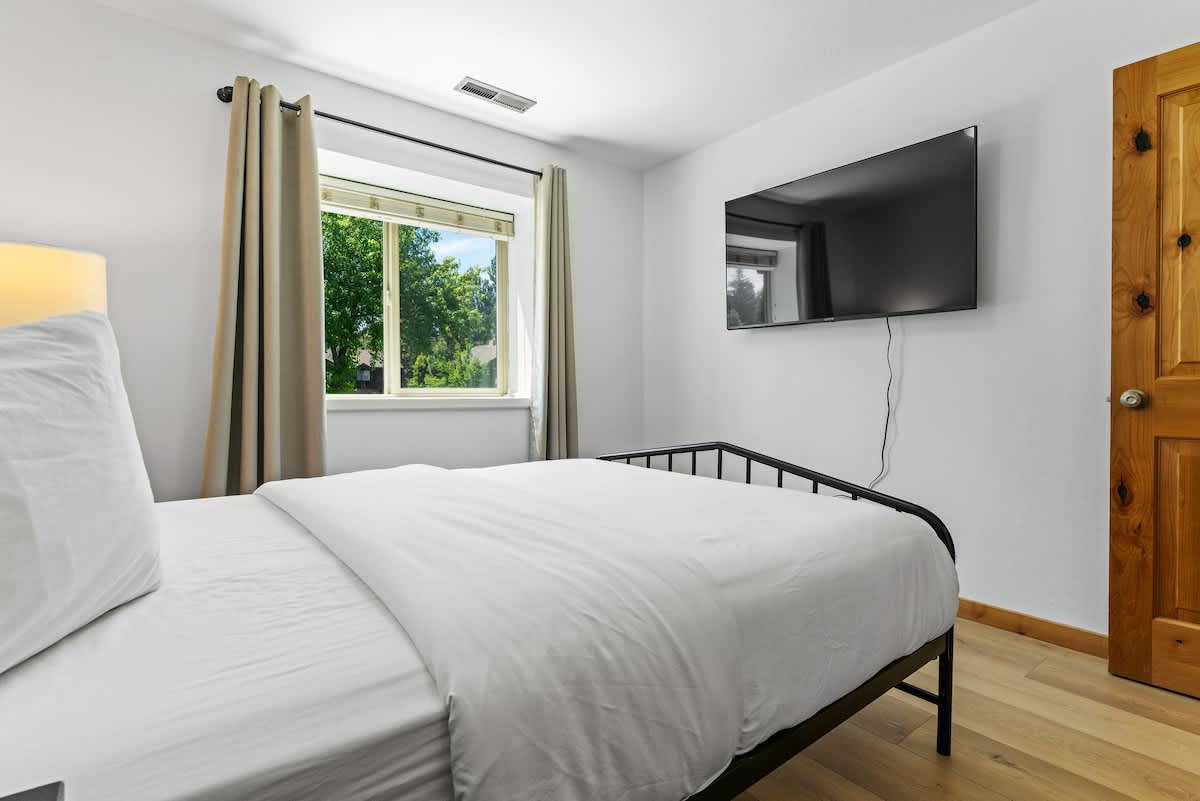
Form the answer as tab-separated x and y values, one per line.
748	768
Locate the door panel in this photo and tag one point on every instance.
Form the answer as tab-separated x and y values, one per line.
1179	304
1176	655
1178	530
1154	522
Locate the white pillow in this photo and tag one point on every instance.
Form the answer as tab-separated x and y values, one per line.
77	533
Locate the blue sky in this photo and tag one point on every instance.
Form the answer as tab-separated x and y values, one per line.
471	251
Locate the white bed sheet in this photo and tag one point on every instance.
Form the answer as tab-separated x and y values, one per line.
264	669
261	669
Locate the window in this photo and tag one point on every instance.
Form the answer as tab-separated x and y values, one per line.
748	296
415	293
748	285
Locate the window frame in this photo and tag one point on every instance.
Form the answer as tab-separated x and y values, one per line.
394	208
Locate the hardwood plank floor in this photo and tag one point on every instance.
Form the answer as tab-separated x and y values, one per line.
1033	722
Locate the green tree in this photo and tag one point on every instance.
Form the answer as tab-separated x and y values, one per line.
445	311
744	301
352	250
485	297
443	367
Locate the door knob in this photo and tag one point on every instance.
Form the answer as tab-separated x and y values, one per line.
1134	399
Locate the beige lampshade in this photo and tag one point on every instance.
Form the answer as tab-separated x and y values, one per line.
38	281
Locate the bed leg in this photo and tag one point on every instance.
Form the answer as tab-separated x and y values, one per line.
945	695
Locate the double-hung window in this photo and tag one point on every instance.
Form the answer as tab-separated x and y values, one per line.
415	293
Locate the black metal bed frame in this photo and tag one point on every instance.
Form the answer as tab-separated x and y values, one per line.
748	768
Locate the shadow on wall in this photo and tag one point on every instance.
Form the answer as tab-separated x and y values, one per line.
615	153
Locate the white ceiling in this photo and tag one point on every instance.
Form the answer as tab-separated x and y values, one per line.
631	81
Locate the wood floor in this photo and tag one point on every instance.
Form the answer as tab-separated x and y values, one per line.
1033	722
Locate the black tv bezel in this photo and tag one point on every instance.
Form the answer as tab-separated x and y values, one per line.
974	129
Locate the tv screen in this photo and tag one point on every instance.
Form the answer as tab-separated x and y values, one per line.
889	235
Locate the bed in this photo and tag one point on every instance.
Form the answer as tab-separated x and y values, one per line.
267	668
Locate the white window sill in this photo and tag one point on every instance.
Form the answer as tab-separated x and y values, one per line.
409	403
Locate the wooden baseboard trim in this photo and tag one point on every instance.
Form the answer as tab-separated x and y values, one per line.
1088	642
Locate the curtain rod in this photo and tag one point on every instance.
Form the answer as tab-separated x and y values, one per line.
225	95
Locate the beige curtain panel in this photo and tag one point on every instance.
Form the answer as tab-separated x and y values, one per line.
267	419
554	414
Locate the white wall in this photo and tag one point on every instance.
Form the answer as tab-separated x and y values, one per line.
1003	425
450	438
113	141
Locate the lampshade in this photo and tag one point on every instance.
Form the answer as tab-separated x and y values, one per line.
38	281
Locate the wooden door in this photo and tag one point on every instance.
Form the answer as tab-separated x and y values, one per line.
1154	582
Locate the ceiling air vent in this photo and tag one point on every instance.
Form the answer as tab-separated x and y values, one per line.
494	94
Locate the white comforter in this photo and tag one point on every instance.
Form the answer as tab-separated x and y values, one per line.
599	631
578	660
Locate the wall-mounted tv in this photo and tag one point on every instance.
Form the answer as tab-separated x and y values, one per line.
890	235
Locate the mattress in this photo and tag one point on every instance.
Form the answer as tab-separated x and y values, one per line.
264	669
261	669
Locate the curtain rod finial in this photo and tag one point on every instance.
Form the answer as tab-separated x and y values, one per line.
225	94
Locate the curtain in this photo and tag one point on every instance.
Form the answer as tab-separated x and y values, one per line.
820	291
553	415
267	417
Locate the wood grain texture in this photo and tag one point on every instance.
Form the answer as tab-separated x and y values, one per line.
1176	655
1033	722
1088	642
1177	551
1154	531
893	720
1014	773
1090	679
1134	273
1178	530
1179	285
1178	69
1175	636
